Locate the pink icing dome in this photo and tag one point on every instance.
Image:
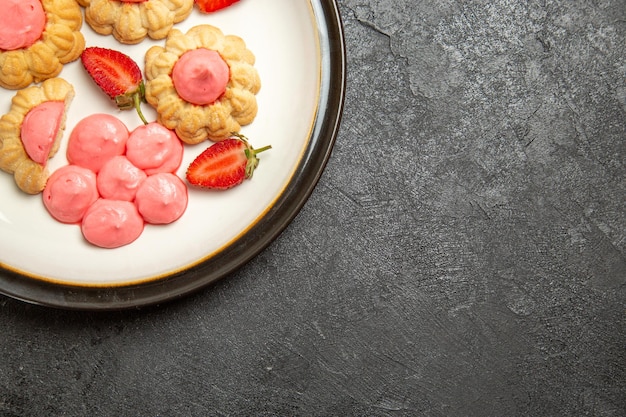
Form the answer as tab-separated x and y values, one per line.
22	23
112	223
200	76
69	192
162	198
119	179
154	148
95	140
40	128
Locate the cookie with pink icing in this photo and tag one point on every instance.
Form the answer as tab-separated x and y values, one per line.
202	83
132	21
40	128
37	38
31	132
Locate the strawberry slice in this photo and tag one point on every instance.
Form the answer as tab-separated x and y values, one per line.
117	75
224	164
208	6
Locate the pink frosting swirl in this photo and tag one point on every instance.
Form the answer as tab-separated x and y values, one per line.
154	148
95	140
69	192
200	76
162	198
119	179
40	128
22	23
112	223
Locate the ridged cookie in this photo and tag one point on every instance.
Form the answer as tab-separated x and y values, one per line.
29	175
194	123
130	23
60	43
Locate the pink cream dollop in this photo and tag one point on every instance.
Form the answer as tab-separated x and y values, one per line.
105	188
95	140
200	76
162	198
154	148
119	179
22	23
69	192
40	128
112	223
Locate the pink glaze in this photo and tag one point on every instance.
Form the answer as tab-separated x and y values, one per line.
40	128
154	148
200	76
69	192
111	223
161	198
22	23
95	140
119	179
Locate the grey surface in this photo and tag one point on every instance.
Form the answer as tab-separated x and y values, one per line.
462	255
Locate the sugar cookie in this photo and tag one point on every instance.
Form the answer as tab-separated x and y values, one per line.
193	119
40	54
30	175
132	22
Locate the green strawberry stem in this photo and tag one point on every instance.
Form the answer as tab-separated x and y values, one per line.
137	100
253	161
133	99
263	149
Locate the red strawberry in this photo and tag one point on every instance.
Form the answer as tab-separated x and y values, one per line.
224	164
208	6
117	75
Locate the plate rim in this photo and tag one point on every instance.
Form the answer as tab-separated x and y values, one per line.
244	247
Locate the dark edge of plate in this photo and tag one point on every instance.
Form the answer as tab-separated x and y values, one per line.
257	238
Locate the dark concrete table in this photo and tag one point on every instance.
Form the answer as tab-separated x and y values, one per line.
462	255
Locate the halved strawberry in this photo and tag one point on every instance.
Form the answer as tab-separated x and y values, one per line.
224	164
117	75
208	6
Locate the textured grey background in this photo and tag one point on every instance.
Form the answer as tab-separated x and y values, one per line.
462	255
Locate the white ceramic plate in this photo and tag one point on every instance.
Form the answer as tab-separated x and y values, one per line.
299	52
